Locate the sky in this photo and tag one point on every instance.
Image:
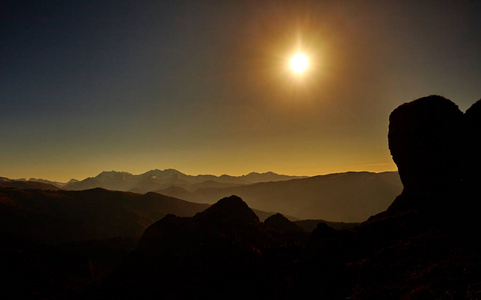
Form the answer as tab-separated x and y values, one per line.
204	86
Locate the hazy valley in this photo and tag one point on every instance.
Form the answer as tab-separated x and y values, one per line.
342	197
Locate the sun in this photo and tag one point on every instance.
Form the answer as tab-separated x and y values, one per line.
299	63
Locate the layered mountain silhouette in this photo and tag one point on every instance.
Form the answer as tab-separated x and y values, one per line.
342	197
423	246
348	197
23	184
162	179
55	183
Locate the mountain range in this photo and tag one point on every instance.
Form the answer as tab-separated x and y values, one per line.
340	197
343	197
162	179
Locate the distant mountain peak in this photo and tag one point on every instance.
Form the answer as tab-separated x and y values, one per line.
170	170
157	180
113	175
263	173
163	173
113	172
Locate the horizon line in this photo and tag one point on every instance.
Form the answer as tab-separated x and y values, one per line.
209	174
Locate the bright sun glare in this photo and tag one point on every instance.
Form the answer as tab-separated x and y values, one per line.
299	63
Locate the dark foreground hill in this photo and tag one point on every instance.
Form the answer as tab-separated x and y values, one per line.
53	244
222	252
58	216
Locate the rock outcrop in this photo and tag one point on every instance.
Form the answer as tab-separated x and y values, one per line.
281	223
426	236
426	140
222	252
473	151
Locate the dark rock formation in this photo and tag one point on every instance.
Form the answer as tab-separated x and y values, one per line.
427	144
281	223
473	115
422	247
229	211
222	252
230	217
473	147
284	231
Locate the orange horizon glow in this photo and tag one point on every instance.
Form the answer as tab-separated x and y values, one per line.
294	171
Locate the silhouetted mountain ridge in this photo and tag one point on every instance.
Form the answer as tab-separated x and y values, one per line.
229	211
212	254
162	179
348	197
23	184
340	197
56	216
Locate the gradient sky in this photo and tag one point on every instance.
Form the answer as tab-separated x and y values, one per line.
203	86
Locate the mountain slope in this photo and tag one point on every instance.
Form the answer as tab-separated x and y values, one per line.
346	197
57	216
55	183
21	184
